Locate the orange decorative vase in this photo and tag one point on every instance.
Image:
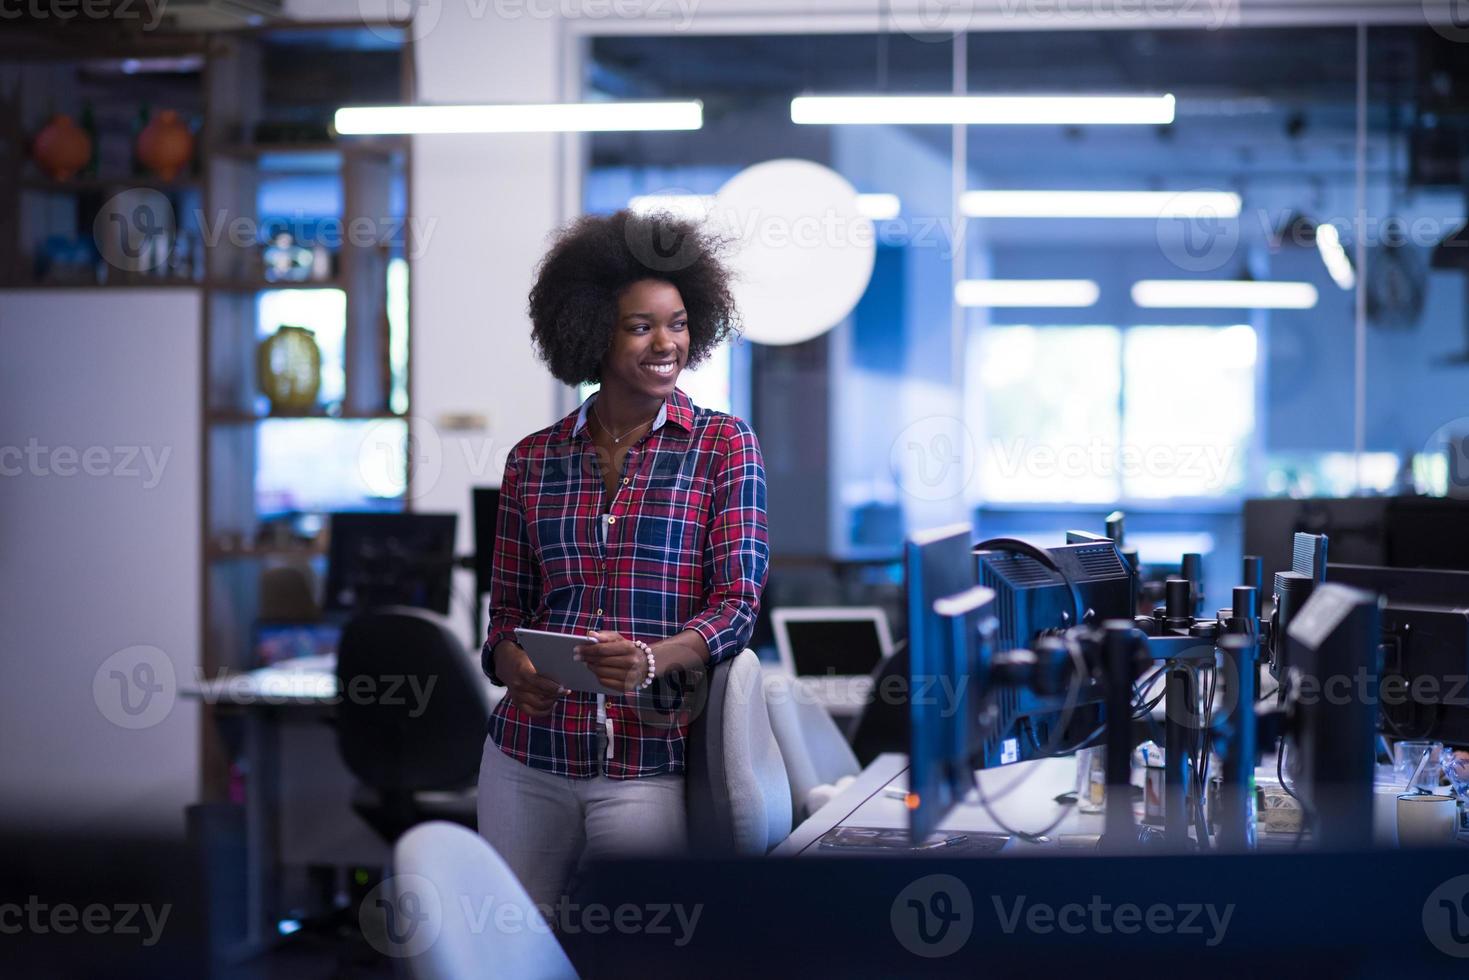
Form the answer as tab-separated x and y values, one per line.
61	148
165	145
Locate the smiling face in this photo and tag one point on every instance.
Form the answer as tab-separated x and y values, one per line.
650	341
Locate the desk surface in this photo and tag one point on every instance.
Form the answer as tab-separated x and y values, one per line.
1029	806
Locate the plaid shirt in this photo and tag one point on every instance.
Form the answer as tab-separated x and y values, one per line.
686	548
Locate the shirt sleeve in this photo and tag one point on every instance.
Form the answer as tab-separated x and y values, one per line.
736	547
515	578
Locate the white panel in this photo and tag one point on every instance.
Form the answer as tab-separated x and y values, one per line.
99	551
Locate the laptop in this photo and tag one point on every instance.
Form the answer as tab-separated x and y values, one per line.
280	642
832	651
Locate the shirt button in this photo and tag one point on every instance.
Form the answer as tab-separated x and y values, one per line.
624	481
611	520
599	612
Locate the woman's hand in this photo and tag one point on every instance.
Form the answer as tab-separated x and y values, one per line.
526	689
619	664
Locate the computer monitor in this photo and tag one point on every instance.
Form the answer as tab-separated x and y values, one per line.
1425	649
486	513
1308	556
1427	532
823	641
1400	532
936	565
964	624
389	559
1333	641
1088	580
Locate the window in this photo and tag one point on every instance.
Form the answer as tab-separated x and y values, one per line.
1050	413
1188	408
1094	414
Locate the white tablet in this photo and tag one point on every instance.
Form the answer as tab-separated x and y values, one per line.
551	654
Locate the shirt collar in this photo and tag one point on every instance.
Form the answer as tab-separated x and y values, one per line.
678	409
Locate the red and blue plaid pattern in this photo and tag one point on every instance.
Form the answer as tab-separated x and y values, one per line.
686	549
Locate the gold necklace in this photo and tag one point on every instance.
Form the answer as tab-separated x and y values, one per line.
608	431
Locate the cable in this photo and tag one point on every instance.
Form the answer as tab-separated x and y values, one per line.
1028	835
1280	776
1051	750
1025	835
1200	755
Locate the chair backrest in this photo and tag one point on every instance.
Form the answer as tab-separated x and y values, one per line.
413	709
883	724
811	744
448	894
739	798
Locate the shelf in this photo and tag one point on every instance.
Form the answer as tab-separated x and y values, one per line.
83	185
250	418
123	284
372	145
264	285
261	552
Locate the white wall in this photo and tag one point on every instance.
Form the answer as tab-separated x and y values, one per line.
485	206
99	552
492	202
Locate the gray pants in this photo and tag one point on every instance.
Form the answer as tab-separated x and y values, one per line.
543	825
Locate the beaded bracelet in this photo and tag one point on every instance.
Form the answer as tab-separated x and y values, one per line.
652	663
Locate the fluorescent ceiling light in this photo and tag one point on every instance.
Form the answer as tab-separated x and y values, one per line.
1099	204
1328	243
982	110
876	207
1244	294
879	207
569	117
696	206
1026	292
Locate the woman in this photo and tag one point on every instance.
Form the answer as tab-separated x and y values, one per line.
637	521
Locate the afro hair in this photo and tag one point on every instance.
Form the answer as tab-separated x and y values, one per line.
573	304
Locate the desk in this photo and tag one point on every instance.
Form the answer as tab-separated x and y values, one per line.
1030	806
304	689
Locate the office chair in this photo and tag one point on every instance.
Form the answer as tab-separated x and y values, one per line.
286	595
412	719
883	724
443	876
815	753
739	798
